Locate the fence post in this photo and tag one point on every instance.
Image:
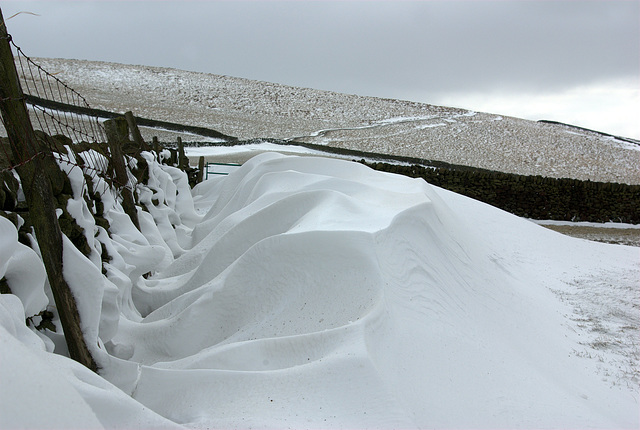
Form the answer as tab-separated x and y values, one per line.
156	147
39	195
117	133
183	161
135	132
200	169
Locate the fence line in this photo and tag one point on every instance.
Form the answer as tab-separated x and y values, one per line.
38	82
39	182
141	122
83	132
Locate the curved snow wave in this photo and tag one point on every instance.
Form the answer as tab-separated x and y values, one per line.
281	286
22	269
44	390
320	292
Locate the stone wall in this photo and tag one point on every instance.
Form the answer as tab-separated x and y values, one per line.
534	197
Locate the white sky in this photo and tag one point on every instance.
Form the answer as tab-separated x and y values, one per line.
571	61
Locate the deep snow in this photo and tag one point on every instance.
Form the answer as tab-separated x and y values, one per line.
306	292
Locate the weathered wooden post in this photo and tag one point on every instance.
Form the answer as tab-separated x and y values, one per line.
173	159
156	147
200	169
135	131
117	133
183	161
37	189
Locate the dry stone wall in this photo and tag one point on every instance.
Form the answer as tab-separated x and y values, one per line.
533	197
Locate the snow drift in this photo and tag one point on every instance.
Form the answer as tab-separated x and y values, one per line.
303	292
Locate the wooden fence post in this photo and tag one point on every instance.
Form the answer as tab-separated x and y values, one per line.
183	161
200	169
156	147
117	133
39	195
135	132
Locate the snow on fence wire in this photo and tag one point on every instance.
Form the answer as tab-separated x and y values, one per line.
33	157
82	133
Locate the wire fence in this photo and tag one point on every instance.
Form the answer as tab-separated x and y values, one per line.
75	139
38	82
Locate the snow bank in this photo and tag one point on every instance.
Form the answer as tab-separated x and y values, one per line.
22	269
40	390
317	293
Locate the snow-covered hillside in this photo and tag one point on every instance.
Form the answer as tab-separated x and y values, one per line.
303	292
252	109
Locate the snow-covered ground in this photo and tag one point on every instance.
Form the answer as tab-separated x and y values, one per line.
625	234
252	109
308	292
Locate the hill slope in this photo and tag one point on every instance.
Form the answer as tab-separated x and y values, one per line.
249	109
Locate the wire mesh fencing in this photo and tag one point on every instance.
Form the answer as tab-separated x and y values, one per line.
77	140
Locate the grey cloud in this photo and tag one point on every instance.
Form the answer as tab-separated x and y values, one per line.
388	49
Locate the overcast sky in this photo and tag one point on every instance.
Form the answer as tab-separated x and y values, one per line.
571	61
